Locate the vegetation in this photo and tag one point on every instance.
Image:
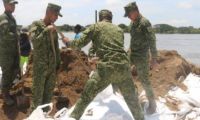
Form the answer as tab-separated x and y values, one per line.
158	28
164	28
168	29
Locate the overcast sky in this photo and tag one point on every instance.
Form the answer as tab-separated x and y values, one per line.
173	12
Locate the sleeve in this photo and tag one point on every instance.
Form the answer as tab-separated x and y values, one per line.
92	51
85	38
5	31
36	34
150	36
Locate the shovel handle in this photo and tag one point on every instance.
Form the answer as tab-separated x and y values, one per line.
59	32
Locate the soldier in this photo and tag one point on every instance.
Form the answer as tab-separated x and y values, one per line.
113	65
9	49
142	39
46	55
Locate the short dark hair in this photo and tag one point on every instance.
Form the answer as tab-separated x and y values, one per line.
105	17
105	14
78	27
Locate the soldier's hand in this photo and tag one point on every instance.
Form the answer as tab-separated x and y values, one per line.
93	62
154	64
65	40
51	28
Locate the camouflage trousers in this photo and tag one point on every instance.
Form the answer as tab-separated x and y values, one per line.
44	79
10	68
142	67
117	74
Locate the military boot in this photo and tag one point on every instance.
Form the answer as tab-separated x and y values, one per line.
7	98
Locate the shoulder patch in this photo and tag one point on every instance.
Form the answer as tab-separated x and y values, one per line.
3	22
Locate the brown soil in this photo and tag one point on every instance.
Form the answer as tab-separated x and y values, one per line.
75	69
170	72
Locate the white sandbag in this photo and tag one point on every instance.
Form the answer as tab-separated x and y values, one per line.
24	68
192	81
63	114
194	115
107	92
109	106
38	113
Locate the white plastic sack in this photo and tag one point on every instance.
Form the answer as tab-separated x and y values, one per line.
38	113
108	106
189	103
24	68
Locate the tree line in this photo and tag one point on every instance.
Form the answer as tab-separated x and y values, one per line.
158	28
168	29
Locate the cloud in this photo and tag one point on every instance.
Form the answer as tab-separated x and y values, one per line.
82	11
116	4
185	5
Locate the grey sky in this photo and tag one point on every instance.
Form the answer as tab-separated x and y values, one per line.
173	12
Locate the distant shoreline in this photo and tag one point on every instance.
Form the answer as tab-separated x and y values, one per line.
158	29
155	33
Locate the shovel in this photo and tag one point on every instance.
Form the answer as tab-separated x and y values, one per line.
22	101
61	101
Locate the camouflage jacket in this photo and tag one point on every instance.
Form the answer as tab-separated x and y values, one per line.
46	51
107	40
142	37
8	35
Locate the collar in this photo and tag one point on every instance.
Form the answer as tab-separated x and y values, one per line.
105	20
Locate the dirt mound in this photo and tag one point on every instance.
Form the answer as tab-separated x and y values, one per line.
75	69
170	72
72	75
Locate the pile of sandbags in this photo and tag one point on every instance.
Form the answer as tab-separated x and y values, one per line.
110	106
188	102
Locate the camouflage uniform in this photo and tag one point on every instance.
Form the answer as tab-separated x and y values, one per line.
113	66
9	49
46	60
142	39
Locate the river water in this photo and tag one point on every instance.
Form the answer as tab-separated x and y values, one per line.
188	45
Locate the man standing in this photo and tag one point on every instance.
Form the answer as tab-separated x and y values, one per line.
9	49
25	48
142	39
46	55
113	65
77	31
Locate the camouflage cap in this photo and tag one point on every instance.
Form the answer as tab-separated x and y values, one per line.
105	13
10	1
130	7
55	8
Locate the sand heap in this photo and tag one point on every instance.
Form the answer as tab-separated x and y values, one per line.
72	75
75	69
170	72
